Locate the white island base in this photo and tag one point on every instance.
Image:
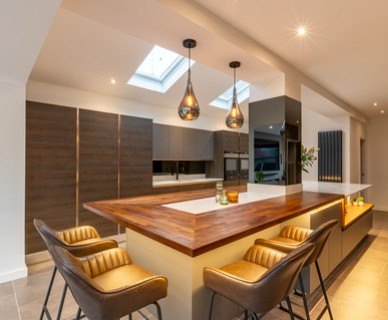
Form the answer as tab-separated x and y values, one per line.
187	298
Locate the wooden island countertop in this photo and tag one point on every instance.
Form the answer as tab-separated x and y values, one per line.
195	234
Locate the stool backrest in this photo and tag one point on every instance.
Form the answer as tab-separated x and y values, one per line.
277	283
319	238
88	295
49	236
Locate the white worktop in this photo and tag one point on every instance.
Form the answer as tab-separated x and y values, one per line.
345	189
184	179
209	204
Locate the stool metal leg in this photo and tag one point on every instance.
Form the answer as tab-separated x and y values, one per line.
291	312
159	310
254	316
327	307
130	316
211	305
246	315
304	297
62	302
78	316
44	307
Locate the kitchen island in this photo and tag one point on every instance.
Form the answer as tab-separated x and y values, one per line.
167	239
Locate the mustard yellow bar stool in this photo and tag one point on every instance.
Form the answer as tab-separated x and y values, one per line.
290	239
107	285
80	241
258	282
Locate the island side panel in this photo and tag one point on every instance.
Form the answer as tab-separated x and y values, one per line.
187	298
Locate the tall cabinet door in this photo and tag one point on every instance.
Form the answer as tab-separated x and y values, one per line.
98	165
135	156
50	169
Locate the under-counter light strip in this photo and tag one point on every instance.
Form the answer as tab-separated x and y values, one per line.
326	206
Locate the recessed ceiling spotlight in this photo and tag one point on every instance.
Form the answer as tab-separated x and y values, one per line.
382	111
271	127
113	81
301	31
375	104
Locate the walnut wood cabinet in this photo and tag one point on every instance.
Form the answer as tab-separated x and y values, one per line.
98	165
50	169
114	160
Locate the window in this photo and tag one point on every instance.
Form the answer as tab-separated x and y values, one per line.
159	70
224	101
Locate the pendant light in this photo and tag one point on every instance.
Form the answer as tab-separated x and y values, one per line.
235	118
189	107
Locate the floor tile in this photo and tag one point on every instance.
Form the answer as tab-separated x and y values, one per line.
8	307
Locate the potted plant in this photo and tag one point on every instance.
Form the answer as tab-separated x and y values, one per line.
308	157
360	201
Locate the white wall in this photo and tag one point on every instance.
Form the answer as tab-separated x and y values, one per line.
12	164
377	162
65	96
312	123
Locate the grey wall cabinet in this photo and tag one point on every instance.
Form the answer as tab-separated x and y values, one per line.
205	145
190	143
160	142
179	143
175	144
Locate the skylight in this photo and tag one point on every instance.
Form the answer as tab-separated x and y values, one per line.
159	70
225	100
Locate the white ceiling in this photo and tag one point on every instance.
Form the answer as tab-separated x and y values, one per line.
92	41
23	28
345	50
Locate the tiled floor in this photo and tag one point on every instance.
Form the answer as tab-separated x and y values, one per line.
358	290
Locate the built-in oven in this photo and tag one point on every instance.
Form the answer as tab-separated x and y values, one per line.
244	167
231	166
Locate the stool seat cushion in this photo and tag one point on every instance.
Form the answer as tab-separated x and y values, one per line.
244	271
125	276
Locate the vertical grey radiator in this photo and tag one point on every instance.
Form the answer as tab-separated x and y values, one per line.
330	156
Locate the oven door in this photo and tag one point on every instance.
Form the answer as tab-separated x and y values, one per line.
244	169
231	169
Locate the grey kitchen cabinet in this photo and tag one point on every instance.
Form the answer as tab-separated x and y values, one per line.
179	143
205	145
175	136
160	142
190	143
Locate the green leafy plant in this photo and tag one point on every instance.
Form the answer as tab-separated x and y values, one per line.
308	157
360	199
260	174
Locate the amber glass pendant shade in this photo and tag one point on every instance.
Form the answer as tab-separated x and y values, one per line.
189	107
235	118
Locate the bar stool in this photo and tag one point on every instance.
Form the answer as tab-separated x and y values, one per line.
258	282
80	241
107	285
291	238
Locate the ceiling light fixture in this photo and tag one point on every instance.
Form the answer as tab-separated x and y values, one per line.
113	81
235	118
382	111
301	31
189	107
375	104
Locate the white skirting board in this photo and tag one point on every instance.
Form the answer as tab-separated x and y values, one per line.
13	275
